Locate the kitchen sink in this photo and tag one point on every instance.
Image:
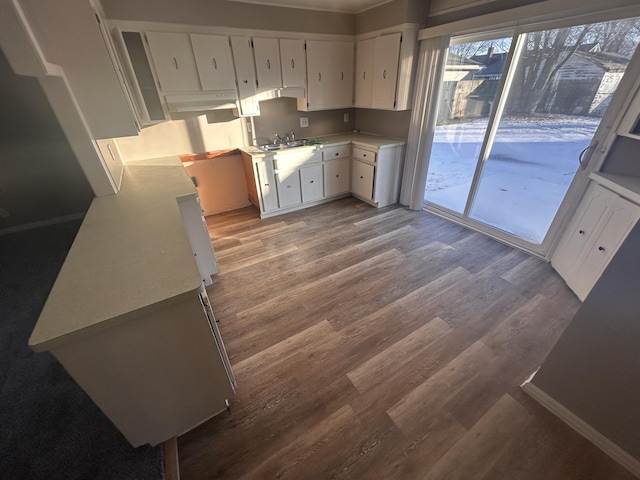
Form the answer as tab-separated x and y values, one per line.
269	147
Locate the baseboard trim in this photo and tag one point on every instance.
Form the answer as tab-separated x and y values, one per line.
171	460
41	223
583	428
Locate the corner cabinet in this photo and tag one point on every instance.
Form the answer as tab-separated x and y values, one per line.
376	173
330	67
384	70
601	222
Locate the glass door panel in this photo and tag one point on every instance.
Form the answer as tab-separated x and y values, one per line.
562	84
471	77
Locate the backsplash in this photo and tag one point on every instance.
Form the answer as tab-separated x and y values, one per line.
281	116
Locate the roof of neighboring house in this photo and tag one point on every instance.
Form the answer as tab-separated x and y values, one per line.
493	64
454	60
610	62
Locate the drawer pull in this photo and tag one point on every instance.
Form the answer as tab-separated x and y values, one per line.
311	181
581	232
337	153
361	177
601	248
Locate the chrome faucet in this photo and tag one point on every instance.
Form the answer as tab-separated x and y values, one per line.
278	139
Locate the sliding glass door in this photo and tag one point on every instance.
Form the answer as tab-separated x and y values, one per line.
515	115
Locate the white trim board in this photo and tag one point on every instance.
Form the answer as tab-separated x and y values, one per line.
587	431
576	11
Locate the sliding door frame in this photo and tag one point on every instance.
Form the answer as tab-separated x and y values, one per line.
475	29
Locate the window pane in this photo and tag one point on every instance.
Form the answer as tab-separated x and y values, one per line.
469	87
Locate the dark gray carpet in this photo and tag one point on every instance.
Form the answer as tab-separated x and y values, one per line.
49	428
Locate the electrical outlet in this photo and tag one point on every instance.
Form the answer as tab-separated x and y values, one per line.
304	121
346	118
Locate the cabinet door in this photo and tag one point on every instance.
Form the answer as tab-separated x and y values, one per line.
266	185
213	59
288	188
311	182
337	177
198	234
341	88
294	63
246	75
365	54
267	55
583	228
621	218
318	79
362	175
173	60
387	52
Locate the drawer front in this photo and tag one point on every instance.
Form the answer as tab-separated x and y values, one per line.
291	161
366	155
362	175
340	151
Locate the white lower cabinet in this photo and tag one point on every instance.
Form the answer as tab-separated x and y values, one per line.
266	183
601	222
311	183
291	179
289	192
337	177
362	178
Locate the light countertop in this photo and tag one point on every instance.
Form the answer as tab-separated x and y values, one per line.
130	256
360	139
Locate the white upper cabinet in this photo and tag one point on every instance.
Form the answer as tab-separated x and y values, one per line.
387	53
242	48
384	70
365	57
318	66
342	74
174	63
214	62
294	63
267	56
329	75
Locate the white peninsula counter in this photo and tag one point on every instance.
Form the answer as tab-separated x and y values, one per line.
128	316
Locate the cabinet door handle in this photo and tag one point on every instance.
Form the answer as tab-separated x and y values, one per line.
288	186
293	64
364	75
364	154
311	181
215	64
319	76
384	73
337	176
341	75
581	232
601	248
361	177
268	64
175	62
337	153
266	184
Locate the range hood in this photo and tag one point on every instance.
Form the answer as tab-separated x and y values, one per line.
201	102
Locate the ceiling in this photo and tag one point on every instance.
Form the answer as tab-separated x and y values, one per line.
342	6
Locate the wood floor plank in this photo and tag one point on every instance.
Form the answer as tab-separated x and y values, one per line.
383	344
475	454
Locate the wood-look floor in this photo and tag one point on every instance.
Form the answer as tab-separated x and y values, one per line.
383	344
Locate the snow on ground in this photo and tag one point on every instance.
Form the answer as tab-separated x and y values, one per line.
525	178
